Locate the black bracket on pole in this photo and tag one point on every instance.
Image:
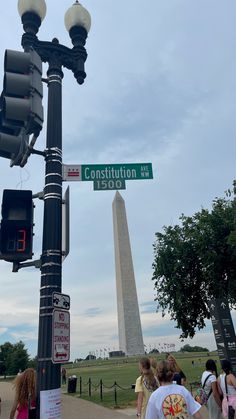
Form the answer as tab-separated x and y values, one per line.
30	150
39	195
18	265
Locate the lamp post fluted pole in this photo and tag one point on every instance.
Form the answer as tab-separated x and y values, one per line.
49	373
77	21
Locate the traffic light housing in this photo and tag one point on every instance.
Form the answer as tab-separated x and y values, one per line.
13	143
22	91
16	235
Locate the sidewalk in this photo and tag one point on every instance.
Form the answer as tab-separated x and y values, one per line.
74	407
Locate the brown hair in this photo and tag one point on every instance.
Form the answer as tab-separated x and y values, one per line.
165	372
25	386
147	373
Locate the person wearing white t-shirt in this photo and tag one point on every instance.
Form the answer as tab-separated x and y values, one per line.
209	381
171	400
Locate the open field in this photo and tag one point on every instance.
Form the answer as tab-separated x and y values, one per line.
124	372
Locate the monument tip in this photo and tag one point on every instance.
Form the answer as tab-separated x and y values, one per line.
118	196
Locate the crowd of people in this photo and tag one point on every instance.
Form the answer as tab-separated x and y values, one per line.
162	393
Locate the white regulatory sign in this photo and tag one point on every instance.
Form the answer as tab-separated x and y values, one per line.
60	336
61	300
72	172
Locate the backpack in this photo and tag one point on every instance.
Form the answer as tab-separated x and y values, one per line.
201	395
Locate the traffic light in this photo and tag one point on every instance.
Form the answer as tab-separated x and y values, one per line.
16	234
22	91
13	143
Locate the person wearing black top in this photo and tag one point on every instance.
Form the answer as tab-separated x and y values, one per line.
179	376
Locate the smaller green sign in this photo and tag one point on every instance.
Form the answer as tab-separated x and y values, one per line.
109	185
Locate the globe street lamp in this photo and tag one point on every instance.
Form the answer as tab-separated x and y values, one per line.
77	22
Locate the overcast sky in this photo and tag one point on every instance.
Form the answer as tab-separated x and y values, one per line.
160	88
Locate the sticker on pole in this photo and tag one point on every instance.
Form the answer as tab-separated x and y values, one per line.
60	336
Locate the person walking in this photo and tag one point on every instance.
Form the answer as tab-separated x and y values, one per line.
209	383
63	376
171	400
227	385
146	383
179	376
25	392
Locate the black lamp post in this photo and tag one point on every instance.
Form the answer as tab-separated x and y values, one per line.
77	21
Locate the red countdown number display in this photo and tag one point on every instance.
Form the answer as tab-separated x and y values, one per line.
17	240
16	226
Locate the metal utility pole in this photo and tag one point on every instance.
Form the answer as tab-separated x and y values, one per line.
77	21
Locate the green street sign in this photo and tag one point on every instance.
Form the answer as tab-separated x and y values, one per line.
108	185
106	172
126	171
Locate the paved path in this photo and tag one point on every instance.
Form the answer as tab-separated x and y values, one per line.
74	407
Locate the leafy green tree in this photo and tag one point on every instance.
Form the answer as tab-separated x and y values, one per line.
33	363
188	348
154	351
6	353
195	262
14	357
19	358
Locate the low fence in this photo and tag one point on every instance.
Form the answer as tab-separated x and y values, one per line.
99	389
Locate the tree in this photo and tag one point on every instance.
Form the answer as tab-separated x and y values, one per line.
33	363
6	353
19	358
195	262
14	358
154	351
188	348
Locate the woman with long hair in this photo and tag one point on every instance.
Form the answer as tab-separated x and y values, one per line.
209	383
179	376
227	385
171	400
25	391
145	385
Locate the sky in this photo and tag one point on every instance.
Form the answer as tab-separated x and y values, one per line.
160	88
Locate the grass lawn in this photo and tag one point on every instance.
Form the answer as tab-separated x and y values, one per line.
124	372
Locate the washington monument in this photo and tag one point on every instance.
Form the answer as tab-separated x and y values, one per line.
129	325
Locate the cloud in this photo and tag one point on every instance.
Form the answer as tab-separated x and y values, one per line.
93	312
148	307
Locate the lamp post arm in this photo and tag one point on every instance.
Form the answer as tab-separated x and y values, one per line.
71	58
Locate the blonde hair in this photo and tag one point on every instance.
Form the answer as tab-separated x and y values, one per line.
147	373
171	359
153	362
25	386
